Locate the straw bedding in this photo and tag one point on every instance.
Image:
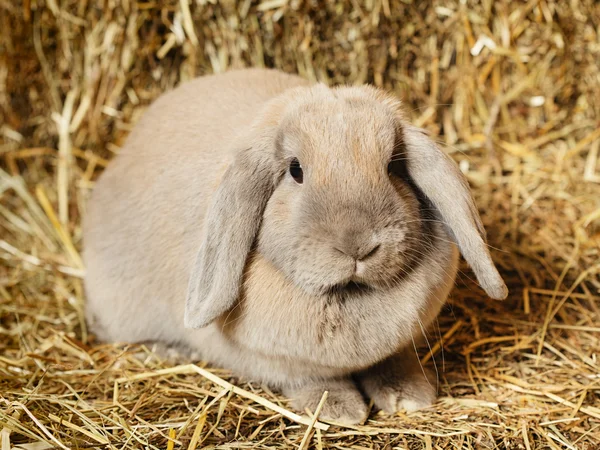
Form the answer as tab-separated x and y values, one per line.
510	89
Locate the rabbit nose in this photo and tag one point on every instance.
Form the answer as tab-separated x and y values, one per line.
356	246
358	253
368	252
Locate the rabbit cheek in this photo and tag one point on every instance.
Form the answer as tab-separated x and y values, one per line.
287	240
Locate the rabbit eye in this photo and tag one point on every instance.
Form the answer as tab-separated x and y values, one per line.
296	171
397	167
392	168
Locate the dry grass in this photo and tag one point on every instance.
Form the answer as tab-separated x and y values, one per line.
511	88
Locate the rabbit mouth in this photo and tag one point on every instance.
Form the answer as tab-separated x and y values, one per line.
348	288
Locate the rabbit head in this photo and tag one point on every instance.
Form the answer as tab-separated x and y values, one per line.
334	188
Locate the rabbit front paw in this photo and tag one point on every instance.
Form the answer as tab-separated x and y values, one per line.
399	383
344	402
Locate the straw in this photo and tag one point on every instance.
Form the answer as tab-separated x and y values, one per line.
510	90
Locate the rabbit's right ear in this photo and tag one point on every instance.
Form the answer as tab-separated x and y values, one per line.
230	227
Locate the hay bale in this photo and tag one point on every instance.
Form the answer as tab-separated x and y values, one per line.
511	89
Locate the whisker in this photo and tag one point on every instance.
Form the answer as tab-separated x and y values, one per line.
434	105
419	359
441	338
437	374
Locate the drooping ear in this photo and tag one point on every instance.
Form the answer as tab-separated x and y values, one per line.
230	227
439	178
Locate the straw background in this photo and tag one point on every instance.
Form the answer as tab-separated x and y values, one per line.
510	89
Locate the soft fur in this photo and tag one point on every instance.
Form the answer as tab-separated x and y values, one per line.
197	236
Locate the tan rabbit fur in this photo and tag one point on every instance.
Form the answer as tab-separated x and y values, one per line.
202	235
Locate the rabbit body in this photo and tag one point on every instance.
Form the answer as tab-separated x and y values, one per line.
166	194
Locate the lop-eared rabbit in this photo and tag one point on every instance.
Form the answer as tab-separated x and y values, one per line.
300	235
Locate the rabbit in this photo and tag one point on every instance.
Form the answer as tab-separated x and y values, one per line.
299	235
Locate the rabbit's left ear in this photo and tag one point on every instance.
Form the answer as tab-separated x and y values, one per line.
440	180
230	228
